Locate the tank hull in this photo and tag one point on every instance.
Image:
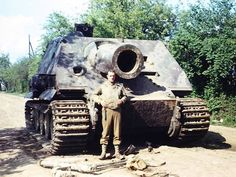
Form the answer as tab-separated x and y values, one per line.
145	114
66	123
191	117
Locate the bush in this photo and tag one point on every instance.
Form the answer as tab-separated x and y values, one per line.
223	110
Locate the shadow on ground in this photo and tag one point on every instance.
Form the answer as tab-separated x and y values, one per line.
18	148
212	140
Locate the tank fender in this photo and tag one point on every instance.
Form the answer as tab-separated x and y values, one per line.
93	111
175	121
48	94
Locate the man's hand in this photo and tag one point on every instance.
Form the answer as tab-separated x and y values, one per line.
119	102
104	104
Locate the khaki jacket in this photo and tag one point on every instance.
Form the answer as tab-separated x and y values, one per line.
110	94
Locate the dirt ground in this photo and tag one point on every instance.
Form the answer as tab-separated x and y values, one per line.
21	151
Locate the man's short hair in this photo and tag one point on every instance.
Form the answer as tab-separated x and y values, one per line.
112	71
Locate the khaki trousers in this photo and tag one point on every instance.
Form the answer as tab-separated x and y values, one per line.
111	118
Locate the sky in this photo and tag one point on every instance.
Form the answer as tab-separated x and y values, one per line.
21	18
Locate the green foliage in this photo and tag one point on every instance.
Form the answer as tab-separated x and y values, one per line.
223	110
17	76
33	66
205	45
4	64
137	19
4	61
57	25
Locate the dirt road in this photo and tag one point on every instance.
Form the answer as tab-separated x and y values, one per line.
20	151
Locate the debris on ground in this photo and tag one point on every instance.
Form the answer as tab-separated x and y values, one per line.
149	146
72	167
82	166
130	150
135	163
143	168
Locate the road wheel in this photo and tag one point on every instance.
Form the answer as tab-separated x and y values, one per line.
41	123
29	121
47	126
51	128
36	120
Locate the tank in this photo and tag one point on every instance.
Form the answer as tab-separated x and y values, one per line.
60	102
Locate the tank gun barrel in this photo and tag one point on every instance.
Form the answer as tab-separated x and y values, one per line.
125	59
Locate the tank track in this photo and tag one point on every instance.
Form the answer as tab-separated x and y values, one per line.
29	120
70	125
195	119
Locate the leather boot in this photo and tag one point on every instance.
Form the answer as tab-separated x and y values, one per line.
103	154
117	153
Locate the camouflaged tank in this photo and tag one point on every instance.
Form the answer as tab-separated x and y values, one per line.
60	105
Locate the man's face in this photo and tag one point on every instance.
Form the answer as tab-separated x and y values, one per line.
111	76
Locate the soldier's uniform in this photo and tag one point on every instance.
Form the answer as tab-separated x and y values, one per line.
109	94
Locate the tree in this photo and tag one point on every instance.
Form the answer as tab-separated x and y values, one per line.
4	65
140	19
205	45
33	66
4	61
17	76
57	25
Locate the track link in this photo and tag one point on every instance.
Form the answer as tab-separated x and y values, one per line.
195	119
29	119
70	126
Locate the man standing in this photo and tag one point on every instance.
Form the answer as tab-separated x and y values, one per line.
111	96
